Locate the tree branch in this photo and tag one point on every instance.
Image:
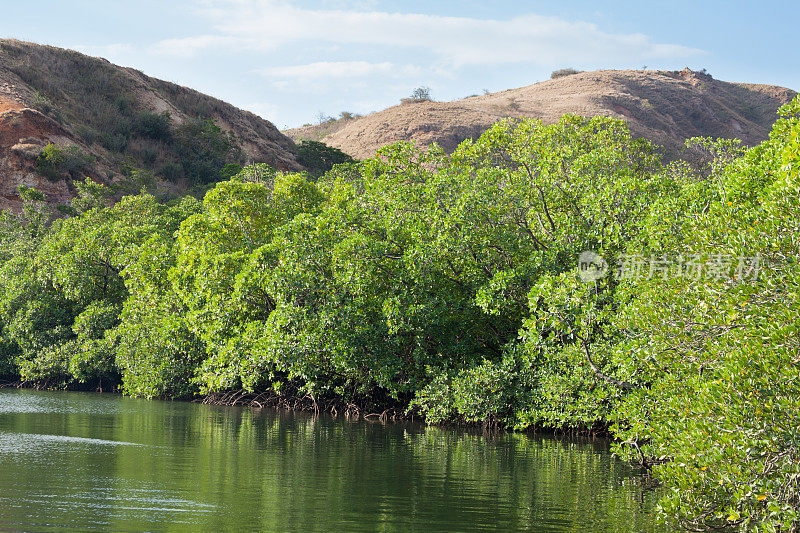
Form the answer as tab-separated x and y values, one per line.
625	385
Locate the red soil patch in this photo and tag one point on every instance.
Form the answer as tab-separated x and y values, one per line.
17	124
6	104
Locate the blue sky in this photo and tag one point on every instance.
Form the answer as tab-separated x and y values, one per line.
290	61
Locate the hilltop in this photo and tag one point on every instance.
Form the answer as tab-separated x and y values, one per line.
666	107
113	123
65	116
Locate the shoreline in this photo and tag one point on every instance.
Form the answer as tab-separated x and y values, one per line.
352	412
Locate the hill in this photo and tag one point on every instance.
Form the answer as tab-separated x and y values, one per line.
664	106
64	115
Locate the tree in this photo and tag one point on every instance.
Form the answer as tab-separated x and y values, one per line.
60	161
204	150
720	354
421	94
319	158
214	250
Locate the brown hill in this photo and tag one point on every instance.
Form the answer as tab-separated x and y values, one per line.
113	116
664	106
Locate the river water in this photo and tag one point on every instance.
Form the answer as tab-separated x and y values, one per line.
83	461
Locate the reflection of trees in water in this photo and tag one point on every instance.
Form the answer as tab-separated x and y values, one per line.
408	474
270	470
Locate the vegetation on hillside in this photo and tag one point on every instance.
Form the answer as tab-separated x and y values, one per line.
449	284
112	112
560	73
56	162
318	158
666	107
421	94
324	126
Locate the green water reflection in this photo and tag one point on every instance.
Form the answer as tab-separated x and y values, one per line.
88	461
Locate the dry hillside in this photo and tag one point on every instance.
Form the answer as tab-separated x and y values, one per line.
664	106
111	115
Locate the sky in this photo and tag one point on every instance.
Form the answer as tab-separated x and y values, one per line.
294	62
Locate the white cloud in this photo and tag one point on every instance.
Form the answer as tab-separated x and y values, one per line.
191	46
338	69
350	4
456	41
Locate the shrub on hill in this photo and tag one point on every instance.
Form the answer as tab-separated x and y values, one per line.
420	94
56	161
204	150
153	125
319	158
563	72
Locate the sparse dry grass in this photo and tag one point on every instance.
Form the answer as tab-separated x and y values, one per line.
104	105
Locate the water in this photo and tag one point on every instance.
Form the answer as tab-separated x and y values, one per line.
81	461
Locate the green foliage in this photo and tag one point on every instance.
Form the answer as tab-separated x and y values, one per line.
93	355
153	126
90	195
319	158
59	161
21	234
204	150
157	354
38	320
114	142
448	283
213	275
258	173
230	171
171	171
721	357
63	287
8	358
488	392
